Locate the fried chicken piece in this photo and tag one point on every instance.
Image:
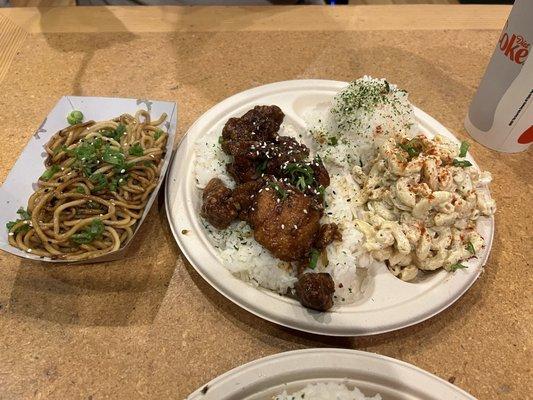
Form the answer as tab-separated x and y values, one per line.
315	290
244	197
252	160
283	151
218	206
259	124
326	235
243	169
285	221
320	173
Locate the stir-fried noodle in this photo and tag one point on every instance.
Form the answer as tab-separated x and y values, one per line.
99	179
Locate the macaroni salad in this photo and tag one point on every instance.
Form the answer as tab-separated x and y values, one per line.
421	200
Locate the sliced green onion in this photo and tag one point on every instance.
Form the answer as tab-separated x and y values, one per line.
464	148
456	266
136	150
23	213
282	193
75	117
93	231
333	141
50	172
158	133
262	166
461	163
313	259
99	180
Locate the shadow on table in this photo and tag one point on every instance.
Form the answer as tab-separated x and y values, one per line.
215	63
87	44
118	293
210	66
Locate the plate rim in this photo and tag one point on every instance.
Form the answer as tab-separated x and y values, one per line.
292	321
327	356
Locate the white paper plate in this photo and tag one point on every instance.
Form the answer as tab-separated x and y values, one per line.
388	304
371	373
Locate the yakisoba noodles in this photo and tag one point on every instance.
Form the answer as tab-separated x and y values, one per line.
99	179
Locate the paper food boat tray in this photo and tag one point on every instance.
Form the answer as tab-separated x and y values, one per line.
22	178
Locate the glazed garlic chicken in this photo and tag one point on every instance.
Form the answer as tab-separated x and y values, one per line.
280	193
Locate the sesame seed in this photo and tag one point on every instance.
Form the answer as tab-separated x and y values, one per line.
29	250
305	211
282	226
11	234
295	226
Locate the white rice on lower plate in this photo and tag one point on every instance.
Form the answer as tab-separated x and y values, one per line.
326	391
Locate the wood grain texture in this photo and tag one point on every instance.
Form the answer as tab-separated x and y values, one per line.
149	327
246	19
11	38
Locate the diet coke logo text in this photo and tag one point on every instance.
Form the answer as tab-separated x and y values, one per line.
515	47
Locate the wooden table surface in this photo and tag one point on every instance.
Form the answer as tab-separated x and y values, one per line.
150	327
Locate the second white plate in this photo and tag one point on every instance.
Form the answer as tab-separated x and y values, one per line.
388	303
291	371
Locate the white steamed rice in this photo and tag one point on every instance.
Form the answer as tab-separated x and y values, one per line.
210	161
248	260
326	391
354	123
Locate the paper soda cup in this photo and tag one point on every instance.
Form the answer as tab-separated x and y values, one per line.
501	113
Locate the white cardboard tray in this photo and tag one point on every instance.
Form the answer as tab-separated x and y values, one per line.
22	178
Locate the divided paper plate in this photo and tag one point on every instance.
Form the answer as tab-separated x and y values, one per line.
291	371
22	178
387	302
